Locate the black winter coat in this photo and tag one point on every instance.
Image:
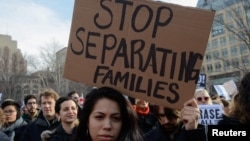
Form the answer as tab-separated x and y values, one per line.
34	129
147	123
229	121
159	134
61	135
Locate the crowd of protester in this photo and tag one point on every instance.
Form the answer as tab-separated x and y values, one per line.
108	115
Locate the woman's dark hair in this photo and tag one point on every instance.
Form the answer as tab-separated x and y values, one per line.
241	102
60	101
71	93
10	102
129	131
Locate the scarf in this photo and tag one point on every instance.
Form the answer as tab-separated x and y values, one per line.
140	112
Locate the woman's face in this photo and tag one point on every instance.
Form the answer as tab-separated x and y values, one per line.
105	121
68	111
10	113
203	99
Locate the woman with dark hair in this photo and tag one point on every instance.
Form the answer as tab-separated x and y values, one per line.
240	109
14	123
107	115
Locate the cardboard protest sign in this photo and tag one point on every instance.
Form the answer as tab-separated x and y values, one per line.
210	114
145	49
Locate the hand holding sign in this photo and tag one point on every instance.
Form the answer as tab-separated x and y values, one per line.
190	114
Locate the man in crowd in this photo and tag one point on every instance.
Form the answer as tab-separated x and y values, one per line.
31	108
46	119
146	119
75	96
177	125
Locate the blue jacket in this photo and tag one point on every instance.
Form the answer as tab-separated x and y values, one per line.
15	130
4	137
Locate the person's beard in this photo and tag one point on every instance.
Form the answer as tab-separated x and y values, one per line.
32	111
171	128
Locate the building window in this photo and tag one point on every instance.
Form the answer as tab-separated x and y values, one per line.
245	60
26	89
223	41
234	51
243	49
217	66
215	43
232	39
216	54
230	25
226	64
235	62
242	36
208	57
218	27
224	52
209	68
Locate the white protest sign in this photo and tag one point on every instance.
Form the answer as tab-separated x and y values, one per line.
201	81
210	114
230	87
221	91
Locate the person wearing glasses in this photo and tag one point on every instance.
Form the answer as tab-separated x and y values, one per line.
3	136
177	125
31	106
14	123
202	97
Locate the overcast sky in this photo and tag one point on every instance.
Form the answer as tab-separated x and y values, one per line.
35	23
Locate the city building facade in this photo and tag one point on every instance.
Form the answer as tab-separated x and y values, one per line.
227	54
14	81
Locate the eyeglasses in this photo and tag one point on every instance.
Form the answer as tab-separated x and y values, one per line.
204	98
30	103
9	111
